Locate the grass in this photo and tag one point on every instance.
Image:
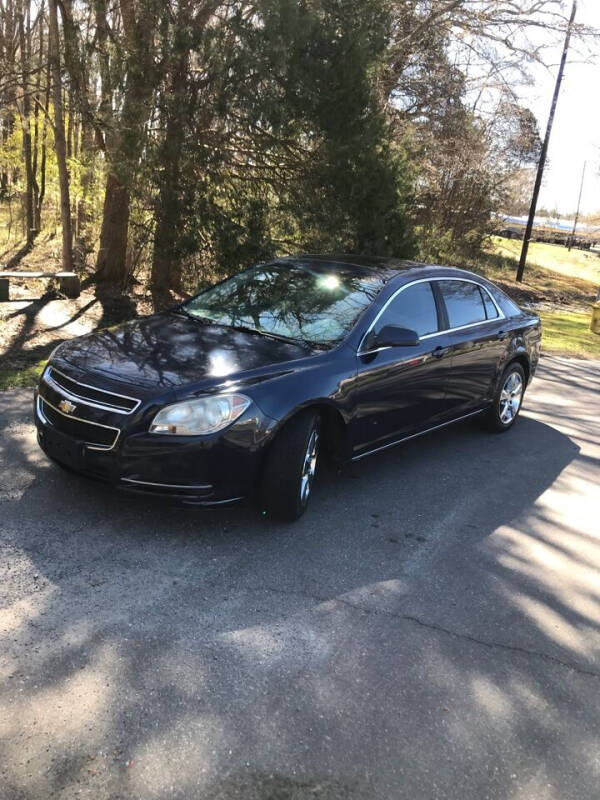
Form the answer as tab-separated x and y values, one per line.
569	334
552	274
554	277
21	378
581	264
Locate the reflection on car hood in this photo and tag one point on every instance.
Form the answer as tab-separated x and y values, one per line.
169	350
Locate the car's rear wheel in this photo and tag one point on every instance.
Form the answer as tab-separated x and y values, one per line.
290	468
509	397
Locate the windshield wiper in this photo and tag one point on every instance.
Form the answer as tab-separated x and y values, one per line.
280	337
180	311
268	334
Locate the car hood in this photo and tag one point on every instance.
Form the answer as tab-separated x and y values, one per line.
169	350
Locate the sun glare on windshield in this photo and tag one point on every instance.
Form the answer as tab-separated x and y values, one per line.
329	282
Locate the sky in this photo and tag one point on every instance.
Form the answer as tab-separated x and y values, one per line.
576	131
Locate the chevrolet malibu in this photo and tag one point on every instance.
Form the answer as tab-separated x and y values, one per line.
239	392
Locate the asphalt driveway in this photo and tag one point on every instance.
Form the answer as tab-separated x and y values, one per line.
430	629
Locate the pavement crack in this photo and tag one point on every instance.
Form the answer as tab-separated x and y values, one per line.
433	626
499	645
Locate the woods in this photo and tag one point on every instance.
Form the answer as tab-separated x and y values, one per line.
174	141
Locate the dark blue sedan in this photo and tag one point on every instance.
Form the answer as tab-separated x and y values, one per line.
239	392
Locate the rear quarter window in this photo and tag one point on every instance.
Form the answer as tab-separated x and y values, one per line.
508	306
490	308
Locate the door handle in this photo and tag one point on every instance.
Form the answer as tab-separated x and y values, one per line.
440	351
501	335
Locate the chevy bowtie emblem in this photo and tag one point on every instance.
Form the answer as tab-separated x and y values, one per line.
67	406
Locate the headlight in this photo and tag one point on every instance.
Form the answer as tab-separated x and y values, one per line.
196	417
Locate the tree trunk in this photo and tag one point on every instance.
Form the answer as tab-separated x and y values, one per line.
42	192
124	147
37	206
166	267
6	128
86	155
111	267
59	138
25	122
165	261
8	29
70	125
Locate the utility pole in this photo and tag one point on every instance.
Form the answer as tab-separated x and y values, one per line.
572	237
544	153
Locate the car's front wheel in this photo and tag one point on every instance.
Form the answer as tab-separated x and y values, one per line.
509	397
290	468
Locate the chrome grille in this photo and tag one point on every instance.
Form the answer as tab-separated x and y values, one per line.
89	395
94	435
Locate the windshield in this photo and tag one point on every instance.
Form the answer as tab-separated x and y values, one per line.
313	305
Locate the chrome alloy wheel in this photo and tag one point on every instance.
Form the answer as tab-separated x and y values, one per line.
510	398
309	467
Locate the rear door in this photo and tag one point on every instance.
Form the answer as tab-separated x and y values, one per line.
478	340
401	390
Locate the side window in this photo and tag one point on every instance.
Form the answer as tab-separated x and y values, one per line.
490	309
413	308
464	303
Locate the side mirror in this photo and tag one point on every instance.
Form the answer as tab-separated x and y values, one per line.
394	336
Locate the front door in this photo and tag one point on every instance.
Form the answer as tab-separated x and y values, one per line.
401	390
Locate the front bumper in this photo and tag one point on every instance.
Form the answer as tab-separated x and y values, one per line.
207	470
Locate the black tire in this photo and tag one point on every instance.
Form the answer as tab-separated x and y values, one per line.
498	418
281	494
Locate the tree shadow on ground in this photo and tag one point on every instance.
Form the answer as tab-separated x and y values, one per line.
30	343
16	259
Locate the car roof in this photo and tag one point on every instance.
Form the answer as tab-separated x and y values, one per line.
378	267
